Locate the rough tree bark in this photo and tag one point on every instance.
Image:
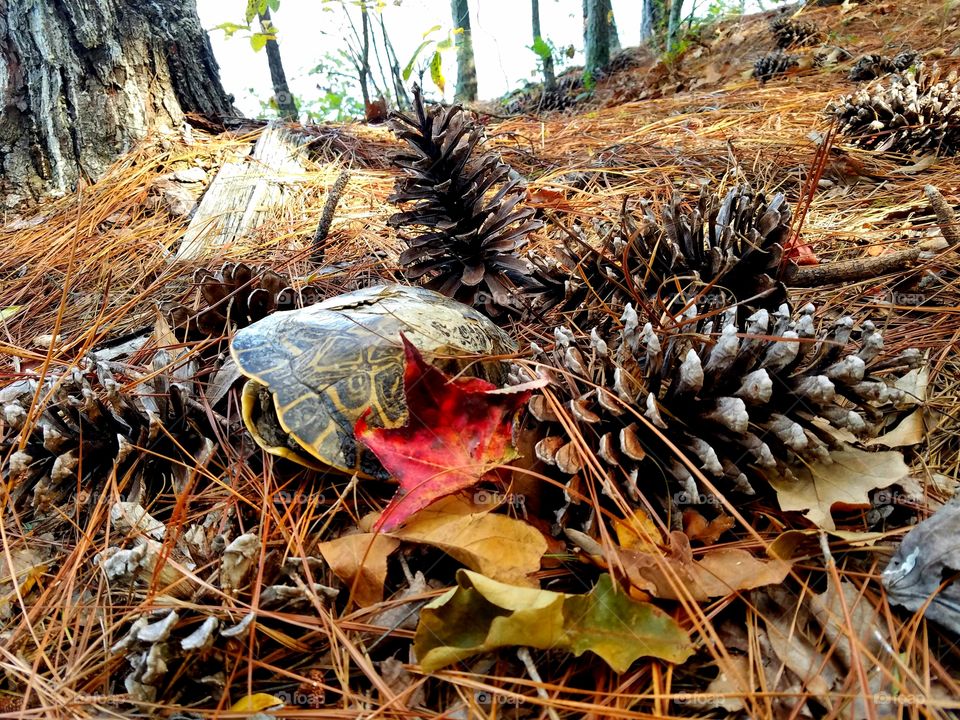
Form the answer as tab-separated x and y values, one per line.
466	67
613	36
651	22
82	81
286	104
598	36
549	76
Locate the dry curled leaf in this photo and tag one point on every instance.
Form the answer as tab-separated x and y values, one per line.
480	615
817	487
360	560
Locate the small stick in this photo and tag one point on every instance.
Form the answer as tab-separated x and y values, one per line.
850	270
326	218
946	217
527	660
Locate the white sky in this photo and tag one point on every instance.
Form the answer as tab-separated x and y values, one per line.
501	36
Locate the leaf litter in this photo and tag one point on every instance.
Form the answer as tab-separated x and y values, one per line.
166	561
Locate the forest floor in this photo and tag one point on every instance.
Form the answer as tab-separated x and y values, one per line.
85	272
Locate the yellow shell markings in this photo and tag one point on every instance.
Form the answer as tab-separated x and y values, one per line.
326	364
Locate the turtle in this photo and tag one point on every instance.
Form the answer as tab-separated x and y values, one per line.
312	372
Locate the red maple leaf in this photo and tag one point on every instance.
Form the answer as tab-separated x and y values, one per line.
459	430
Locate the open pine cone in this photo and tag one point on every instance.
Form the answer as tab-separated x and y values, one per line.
794	33
233	297
738	397
466	227
89	424
917	110
725	250
772	64
869	67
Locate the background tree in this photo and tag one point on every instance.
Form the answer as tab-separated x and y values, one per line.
84	81
613	37
286	103
543	50
598	36
466	67
651	22
673	25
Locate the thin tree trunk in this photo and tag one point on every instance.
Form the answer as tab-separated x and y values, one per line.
400	92
614	35
549	77
673	27
466	66
598	37
286	104
360	53
82	82
651	22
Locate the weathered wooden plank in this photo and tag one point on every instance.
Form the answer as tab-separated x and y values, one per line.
244	192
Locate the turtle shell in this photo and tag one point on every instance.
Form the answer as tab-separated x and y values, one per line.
315	370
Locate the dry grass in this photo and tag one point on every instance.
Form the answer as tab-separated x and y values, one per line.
94	266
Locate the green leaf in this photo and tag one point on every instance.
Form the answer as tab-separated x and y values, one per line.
480	615
431	30
445	44
230	28
541	48
258	40
436	71
274	5
413	58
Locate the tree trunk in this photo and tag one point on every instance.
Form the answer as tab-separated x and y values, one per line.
549	76
466	67
651	22
399	91
673	27
286	104
598	37
612	35
81	82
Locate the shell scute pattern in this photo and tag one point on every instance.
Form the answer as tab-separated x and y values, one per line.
326	364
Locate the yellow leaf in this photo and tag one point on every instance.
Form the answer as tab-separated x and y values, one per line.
256	703
361	562
498	546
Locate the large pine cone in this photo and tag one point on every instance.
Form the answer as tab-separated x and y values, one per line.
737	397
234	297
794	33
467	227
723	250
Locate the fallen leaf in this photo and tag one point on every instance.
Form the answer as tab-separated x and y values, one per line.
696	527
8	312
547	198
360	560
729	688
480	615
912	429
638	532
929	554
458	432
498	546
797	653
717	573
256	703
817	487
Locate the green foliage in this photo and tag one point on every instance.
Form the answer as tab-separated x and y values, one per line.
338	91
255	9
439	47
